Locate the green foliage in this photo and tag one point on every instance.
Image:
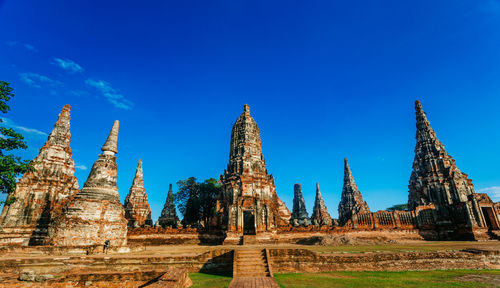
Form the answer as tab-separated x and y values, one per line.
435	278
11	166
197	200
187	199
6	92
398	207
10	200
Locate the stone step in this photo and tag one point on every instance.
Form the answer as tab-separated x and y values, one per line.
253	274
251	268
251	263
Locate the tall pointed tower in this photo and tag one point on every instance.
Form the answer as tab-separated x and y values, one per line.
249	201
435	177
168	215
320	215
351	201
95	214
299	212
137	209
40	191
436	180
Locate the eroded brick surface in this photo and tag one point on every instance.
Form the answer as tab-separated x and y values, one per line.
137	209
168	215
351	201
40	192
95	213
247	187
299	212
320	215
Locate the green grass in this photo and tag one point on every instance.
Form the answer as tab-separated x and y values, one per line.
209	280
436	278
424	246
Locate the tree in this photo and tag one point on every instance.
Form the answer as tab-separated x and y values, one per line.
209	190
197	200
398	207
188	200
11	166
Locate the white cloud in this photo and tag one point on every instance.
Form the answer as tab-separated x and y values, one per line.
68	65
26	46
10	124
36	80
493	192
118	100
81	167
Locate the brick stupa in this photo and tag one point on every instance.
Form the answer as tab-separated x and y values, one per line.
299	212
40	191
137	209
95	213
351	201
168	215
320	215
249	202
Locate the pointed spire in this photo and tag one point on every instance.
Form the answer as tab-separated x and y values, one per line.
168	215
138	179
320	213
351	201
435	177
170	191
111	144
246	108
61	135
424	129
347	172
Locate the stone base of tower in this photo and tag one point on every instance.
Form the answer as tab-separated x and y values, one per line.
89	222
236	238
16	236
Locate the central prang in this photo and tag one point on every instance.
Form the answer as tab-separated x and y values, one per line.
249	203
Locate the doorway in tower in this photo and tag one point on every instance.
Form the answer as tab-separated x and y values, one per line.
489	217
248	222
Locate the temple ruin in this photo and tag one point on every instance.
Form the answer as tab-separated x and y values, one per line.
320	215
249	204
41	191
168	215
50	210
351	201
137	209
95	214
436	181
299	212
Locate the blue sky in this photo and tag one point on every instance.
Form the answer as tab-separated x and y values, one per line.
324	79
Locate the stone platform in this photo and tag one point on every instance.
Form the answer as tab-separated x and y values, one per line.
147	265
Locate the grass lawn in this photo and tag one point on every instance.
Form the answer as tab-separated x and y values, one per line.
436	278
420	246
209	280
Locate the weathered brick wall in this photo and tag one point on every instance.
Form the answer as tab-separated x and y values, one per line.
303	260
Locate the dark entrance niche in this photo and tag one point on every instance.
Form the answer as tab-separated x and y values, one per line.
248	223
489	217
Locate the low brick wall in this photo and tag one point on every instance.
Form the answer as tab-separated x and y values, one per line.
214	261
172	236
303	260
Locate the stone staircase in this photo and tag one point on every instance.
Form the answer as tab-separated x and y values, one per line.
250	263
